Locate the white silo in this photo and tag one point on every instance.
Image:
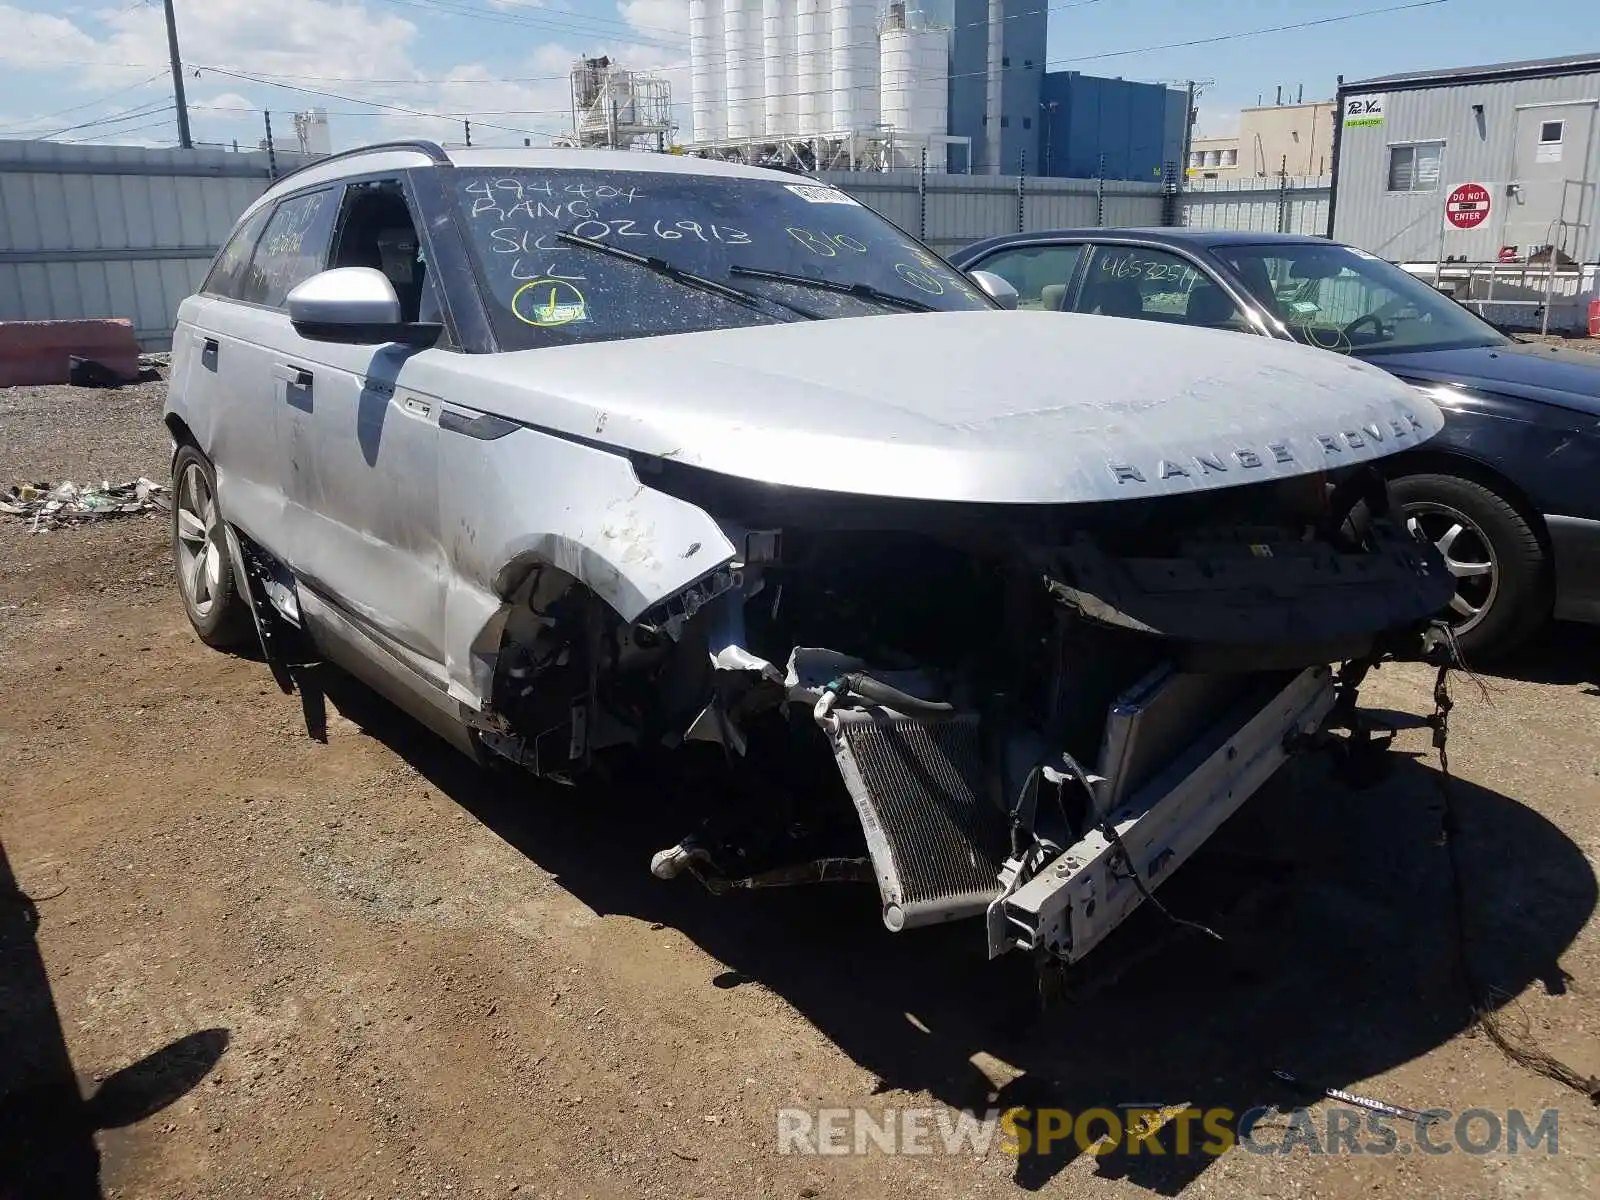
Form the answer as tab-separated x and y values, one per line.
708	77
915	80
741	36
813	72
853	30
777	55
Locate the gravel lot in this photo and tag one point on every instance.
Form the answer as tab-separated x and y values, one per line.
235	962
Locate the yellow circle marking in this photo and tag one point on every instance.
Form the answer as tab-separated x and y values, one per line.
556	302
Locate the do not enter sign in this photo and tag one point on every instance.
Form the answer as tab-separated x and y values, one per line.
1467	206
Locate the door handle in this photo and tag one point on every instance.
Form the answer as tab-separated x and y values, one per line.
209	348
292	375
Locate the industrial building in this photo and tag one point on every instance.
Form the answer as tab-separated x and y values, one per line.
1289	139
1525	133
961	85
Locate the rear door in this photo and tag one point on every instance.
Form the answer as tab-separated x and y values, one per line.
1151	283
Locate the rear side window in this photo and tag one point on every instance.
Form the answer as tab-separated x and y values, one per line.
1041	274
293	247
228	272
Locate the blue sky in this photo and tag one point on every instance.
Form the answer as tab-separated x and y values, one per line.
95	70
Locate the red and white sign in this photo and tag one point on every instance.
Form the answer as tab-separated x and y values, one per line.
1467	206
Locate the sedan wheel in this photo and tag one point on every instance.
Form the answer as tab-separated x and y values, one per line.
200	555
1492	551
1466	553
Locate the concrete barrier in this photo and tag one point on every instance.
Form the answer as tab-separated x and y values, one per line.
33	352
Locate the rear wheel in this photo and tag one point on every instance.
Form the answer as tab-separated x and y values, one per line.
217	611
1501	571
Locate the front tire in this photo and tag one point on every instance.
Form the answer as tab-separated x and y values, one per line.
1502	572
200	556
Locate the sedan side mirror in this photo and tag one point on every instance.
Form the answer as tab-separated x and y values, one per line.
355	306
997	289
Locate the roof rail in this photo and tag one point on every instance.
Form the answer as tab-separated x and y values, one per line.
433	150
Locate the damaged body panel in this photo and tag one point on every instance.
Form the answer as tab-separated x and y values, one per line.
1003	613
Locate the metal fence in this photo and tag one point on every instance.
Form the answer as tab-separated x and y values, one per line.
948	211
116	231
1287	204
121	231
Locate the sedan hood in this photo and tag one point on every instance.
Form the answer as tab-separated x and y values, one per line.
990	407
1529	370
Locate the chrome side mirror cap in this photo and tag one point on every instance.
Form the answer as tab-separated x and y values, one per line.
354	306
997	289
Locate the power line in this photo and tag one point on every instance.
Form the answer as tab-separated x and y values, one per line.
135	114
101	99
119	133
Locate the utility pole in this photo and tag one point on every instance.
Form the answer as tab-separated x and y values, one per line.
1189	115
467	125
185	142
272	155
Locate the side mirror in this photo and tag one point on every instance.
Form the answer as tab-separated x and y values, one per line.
355	306
997	289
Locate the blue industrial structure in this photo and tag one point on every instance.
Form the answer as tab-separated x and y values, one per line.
1136	127
1054	122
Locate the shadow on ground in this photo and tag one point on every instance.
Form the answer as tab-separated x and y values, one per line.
47	1127
1338	961
1564	653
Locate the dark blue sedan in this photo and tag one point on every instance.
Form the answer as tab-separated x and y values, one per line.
1509	492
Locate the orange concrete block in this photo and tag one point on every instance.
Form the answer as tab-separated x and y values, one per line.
33	352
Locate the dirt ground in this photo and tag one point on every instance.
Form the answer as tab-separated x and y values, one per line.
235	962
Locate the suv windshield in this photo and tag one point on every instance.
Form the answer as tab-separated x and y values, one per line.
1339	298
792	250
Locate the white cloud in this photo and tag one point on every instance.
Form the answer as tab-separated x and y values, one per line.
332	46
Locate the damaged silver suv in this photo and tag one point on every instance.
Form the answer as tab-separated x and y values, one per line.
576	455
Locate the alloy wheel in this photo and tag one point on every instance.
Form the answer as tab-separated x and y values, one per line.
1467	554
199	547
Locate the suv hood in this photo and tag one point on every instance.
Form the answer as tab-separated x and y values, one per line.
1528	370
993	407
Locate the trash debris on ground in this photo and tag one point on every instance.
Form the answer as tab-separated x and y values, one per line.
1377	1106
49	506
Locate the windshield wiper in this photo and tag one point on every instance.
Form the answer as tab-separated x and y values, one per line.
864	291
662	267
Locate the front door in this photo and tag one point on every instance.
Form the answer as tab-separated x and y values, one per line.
1551	163
361	447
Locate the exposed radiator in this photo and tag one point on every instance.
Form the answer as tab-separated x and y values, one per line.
936	843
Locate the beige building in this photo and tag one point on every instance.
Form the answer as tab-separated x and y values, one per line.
1296	138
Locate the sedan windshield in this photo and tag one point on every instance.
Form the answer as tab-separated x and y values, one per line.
1339	298
697	252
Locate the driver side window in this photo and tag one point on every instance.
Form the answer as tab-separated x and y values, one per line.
376	230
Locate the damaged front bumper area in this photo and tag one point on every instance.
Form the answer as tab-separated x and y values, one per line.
1033	719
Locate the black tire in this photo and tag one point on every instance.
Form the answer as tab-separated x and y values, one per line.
1515	601
202	565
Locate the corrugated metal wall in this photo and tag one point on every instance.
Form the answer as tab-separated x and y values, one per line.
1409	226
958	209
116	231
1270	205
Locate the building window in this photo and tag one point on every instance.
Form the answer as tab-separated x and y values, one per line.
1197	158
1005	122
1027	64
1213	158
1550	133
1005	60
1027	122
1230	158
1415	168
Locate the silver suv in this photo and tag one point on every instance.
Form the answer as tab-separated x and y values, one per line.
577	455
